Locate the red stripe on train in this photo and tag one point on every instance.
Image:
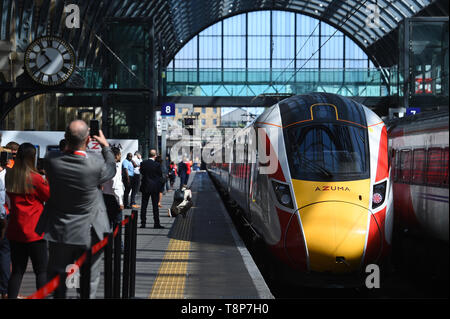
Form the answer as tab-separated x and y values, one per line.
382	167
377	246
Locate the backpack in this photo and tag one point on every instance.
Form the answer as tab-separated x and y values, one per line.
178	196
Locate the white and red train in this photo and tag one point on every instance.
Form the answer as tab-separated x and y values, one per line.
327	206
419	149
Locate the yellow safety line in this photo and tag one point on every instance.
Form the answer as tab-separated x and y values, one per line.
171	278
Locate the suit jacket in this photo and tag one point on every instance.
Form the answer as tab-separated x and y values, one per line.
151	176
76	203
182	169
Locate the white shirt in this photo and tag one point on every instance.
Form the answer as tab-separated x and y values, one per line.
2	194
115	185
138	162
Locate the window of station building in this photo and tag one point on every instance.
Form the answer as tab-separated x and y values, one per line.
269	46
332	48
214	121
215	110
419	163
203	110
405	166
435	167
203	121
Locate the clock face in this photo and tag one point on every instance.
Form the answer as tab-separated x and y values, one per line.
49	60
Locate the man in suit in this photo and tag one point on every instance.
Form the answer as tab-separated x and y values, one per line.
182	173
151	184
75	217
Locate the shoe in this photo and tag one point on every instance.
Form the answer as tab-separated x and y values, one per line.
158	227
142	226
135	206
169	213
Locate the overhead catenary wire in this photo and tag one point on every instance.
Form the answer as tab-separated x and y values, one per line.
322	44
85	24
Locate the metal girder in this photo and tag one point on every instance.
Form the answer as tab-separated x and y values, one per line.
182	19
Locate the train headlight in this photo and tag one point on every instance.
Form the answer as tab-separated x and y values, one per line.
283	194
379	193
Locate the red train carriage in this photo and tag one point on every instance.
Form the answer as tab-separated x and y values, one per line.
419	147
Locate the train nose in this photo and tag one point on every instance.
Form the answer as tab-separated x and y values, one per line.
335	234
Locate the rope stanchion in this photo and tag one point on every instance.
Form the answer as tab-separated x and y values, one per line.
133	244
126	259
85	279
117	260
108	266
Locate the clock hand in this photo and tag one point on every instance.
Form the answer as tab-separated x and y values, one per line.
45	54
44	65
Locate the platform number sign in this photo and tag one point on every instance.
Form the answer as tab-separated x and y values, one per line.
168	109
412	110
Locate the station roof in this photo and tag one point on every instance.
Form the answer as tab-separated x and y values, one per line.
177	21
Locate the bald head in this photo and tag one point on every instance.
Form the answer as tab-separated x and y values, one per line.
152	153
77	135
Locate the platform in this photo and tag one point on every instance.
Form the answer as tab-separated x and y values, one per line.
197	257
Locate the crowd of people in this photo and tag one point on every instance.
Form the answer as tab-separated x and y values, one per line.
53	214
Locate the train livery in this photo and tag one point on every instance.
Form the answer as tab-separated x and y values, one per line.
419	147
327	206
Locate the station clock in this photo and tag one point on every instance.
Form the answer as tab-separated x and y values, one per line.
49	60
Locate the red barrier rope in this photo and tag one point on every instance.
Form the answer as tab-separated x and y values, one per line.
46	290
51	286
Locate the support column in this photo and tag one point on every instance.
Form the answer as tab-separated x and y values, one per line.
153	137
106	127
106	81
406	72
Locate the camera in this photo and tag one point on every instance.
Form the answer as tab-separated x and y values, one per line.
5	156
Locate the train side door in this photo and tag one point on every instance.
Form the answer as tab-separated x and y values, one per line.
254	170
230	166
247	177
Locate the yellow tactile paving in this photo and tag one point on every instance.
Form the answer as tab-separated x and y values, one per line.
171	278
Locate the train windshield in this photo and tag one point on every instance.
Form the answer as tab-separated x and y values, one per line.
327	151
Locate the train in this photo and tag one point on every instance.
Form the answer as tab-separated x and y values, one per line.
324	209
418	146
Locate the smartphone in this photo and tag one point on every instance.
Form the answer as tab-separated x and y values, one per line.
95	127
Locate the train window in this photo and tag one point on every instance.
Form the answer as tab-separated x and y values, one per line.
435	166
327	151
395	164
418	174
405	166
446	166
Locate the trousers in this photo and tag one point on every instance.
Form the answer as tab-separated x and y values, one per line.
135	183
145	199
20	252
5	263
63	255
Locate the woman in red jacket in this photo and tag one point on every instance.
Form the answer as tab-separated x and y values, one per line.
27	191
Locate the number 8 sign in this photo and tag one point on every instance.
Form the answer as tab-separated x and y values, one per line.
168	109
